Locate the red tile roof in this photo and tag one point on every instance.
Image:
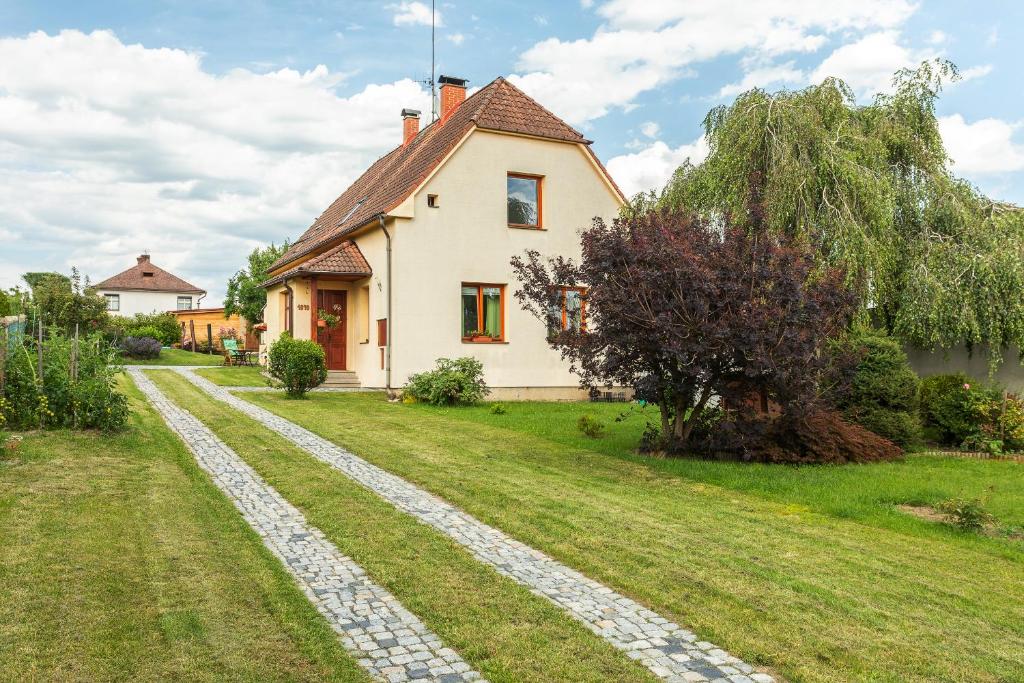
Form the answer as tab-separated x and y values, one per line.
344	259
391	179
148	277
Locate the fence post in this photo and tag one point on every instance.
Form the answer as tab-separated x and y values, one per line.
209	336
3	357
192	333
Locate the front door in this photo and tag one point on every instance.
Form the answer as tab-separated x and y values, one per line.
332	339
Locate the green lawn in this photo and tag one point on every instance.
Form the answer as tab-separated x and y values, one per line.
235	376
120	560
178	357
867	492
500	628
778	574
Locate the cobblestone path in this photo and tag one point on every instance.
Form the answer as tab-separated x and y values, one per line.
669	651
388	640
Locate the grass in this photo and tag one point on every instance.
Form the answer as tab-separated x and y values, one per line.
813	595
120	560
867	493
178	357
235	376
499	627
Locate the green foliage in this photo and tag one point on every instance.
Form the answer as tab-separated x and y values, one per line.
966	514
76	394
12	301
63	302
870	187
944	408
450	383
300	364
164	327
883	390
498	409
590	427
245	296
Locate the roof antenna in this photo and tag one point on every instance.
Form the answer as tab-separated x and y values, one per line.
431	82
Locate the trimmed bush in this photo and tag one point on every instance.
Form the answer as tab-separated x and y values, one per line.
882	393
140	348
300	364
164	327
450	383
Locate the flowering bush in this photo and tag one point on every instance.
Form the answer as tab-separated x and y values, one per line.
973	415
141	348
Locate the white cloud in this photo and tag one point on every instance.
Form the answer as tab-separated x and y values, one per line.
986	146
109	149
651	167
975	72
650	128
644	45
414	14
764	77
867	65
937	37
456	38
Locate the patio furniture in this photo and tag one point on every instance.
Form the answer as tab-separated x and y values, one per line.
235	355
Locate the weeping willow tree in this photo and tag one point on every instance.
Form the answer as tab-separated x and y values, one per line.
870	187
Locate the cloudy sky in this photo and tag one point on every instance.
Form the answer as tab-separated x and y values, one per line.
198	130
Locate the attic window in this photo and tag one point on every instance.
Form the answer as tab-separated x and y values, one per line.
147	273
352	211
432	201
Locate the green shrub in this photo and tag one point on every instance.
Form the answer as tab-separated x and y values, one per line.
590	427
164	327
944	407
450	383
966	514
883	390
300	364
498	409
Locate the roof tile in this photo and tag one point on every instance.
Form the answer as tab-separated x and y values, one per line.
146	276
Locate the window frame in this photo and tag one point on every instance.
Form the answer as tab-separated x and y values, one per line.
480	286
563	290
178	303
540	200
115	298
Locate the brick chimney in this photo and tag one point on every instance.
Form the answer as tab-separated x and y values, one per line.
453	93
410	125
143	258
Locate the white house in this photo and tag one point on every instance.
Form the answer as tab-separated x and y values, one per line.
414	255
145	288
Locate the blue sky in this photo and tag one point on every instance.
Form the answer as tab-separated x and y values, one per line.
197	130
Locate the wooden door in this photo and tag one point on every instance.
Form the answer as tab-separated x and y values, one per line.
333	340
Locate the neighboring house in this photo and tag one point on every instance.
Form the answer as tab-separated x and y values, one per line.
414	256
145	288
208	323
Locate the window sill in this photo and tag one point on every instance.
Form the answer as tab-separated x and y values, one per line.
538	228
470	341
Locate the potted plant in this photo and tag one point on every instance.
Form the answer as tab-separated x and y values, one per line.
326	319
479	336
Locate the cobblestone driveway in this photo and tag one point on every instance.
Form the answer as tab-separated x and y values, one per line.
669	651
388	641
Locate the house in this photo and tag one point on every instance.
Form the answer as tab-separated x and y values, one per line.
145	288
414	256
207	324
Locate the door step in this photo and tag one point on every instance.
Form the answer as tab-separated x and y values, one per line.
342	379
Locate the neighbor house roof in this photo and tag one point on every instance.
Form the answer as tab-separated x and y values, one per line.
147	277
344	259
391	179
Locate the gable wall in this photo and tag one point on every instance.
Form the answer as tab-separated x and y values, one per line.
467	239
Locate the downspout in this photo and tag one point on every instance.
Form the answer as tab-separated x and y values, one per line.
291	308
390	327
199	301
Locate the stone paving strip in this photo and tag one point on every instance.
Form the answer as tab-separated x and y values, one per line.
389	642
669	651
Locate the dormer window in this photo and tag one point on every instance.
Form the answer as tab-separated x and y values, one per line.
525	205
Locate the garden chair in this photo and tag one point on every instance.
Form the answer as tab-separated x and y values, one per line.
235	355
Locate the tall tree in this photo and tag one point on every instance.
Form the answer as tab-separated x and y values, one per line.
245	296
870	187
